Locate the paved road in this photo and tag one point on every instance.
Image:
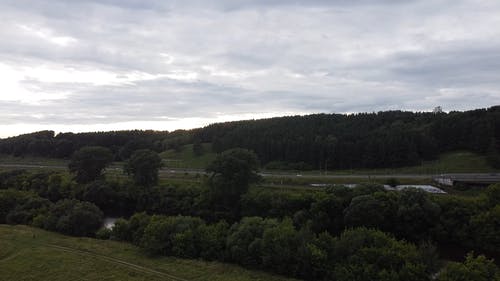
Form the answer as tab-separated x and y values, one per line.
299	175
353	176
286	175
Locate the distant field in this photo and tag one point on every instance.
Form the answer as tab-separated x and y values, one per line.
32	254
453	162
7	159
185	158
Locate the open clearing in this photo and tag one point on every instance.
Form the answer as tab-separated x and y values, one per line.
185	159
28	253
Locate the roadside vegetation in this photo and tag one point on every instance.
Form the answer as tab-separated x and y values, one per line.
452	162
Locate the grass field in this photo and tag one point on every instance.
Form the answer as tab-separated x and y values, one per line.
29	160
32	254
455	162
185	158
452	162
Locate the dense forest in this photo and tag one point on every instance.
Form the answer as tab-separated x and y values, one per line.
63	145
320	141
365	140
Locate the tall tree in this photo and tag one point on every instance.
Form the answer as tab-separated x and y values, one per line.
144	165
89	162
231	173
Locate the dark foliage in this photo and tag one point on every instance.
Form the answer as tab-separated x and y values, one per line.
144	165
63	145
365	140
473	268
321	141
71	217
89	162
231	173
276	245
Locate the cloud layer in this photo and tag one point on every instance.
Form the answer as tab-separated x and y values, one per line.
93	65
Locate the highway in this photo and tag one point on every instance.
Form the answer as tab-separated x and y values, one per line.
494	176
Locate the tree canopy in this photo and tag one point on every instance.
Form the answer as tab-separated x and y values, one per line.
144	165
231	173
472	269
320	141
89	162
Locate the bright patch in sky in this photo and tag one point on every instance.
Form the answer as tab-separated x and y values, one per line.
48	35
170	124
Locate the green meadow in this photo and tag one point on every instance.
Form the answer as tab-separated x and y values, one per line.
28	253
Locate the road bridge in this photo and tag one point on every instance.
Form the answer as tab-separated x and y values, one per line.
468	179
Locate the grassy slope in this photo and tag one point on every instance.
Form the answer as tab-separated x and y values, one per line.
187	159
29	160
32	254
455	162
452	162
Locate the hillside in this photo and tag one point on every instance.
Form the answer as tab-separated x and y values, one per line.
184	157
32	254
388	139
451	162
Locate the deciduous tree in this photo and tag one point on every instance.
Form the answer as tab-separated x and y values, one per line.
231	173
89	162
144	165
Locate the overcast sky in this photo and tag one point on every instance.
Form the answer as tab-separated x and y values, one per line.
87	65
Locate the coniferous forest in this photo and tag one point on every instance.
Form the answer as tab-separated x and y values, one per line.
319	141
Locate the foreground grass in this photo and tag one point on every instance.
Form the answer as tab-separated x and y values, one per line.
28	253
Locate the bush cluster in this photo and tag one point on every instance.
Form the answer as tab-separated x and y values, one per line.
277	245
339	233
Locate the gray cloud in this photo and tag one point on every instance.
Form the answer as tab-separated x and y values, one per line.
460	66
88	62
